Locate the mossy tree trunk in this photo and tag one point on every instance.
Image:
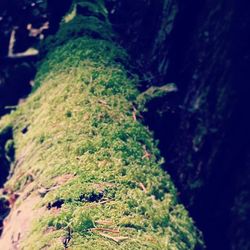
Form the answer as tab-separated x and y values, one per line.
87	173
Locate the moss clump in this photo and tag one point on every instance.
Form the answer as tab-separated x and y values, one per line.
10	150
100	167
84	19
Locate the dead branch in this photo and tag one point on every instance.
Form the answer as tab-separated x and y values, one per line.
115	231
143	187
117	239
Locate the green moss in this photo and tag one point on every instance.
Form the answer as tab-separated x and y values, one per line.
82	222
82	127
10	149
154	92
95	25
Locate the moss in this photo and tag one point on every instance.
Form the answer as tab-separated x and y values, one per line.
82	126
154	92
82	222
10	150
84	19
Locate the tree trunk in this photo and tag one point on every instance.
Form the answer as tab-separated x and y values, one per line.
85	173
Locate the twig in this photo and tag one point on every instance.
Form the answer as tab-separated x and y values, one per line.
115	231
66	239
134	114
143	187
98	203
104	222
29	52
33	32
147	155
11	107
115	239
102	102
12	42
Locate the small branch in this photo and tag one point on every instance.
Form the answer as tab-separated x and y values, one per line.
66	239
104	222
115	231
33	32
10	107
154	92
134	115
102	102
28	53
12	42
99	203
115	239
143	187
146	155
